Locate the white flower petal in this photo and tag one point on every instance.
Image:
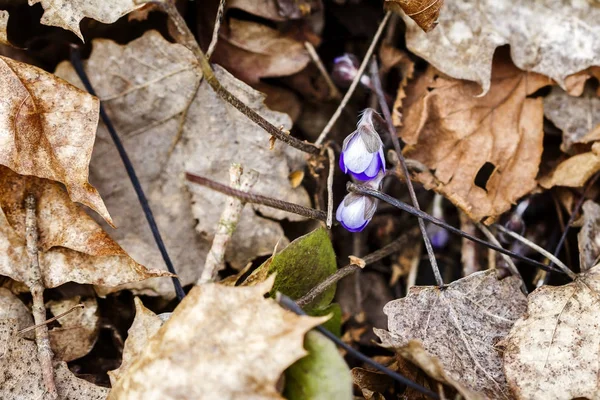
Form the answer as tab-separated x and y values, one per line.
356	156
353	215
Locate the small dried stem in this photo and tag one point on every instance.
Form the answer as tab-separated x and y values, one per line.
331	156
46	322
227	224
215	34
253	198
355	82
333	90
411	280
184	36
349	269
38	308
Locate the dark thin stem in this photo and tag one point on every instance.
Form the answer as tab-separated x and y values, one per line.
364	190
288	303
253	198
78	65
411	190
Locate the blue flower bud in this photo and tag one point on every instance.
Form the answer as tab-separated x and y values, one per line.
356	210
362	151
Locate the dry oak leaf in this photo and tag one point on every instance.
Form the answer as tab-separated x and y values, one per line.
21	376
572	172
144	327
72	246
588	237
545	36
67	14
220	343
552	351
169	125
47	129
424	13
458	327
457	135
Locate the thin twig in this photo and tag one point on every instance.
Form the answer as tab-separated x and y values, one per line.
349	269
331	156
365	190
228	223
333	90
411	280
411	190
46	322
38	308
184	36
355	82
253	198
288	303
511	265
215	34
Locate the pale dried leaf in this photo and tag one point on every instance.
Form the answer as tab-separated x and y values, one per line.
220	342
425	13
573	172
575	116
456	134
22	375
144	327
47	129
589	236
67	14
148	86
550	37
552	351
11	307
73	247
78	330
3	25
458	326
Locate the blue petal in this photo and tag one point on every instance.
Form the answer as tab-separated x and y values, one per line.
359	229
373	169
343	166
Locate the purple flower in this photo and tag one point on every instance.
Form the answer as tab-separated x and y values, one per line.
362	151
345	69
356	210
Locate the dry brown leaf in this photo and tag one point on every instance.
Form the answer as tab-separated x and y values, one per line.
552	351
277	10
550	37
67	14
372	384
73	247
575	116
220	343
47	129
573	172
22	375
144	327
11	307
458	327
457	134
588	238
147	87
252	51
425	13
392	57
3	25
78	330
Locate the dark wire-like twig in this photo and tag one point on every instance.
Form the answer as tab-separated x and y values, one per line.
365	190
253	198
288	303
78	65
411	190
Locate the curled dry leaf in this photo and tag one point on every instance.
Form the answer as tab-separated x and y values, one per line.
22	374
572	172
453	331
47	129
73	247
11	307
545	36
278	10
78	330
425	13
220	342
169	126
575	116
372	384
67	14
144	327
552	351
459	136
589	236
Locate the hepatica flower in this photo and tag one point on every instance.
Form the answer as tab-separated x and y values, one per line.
355	212
345	69
362	151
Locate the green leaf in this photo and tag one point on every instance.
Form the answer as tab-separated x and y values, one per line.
322	374
333	324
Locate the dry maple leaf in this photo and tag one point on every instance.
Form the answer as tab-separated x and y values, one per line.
458	135
425	13
47	129
552	351
457	328
22	374
73	247
67	14
545	36
220	343
169	125
78	330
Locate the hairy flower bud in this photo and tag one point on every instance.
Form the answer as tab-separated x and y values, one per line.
345	69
